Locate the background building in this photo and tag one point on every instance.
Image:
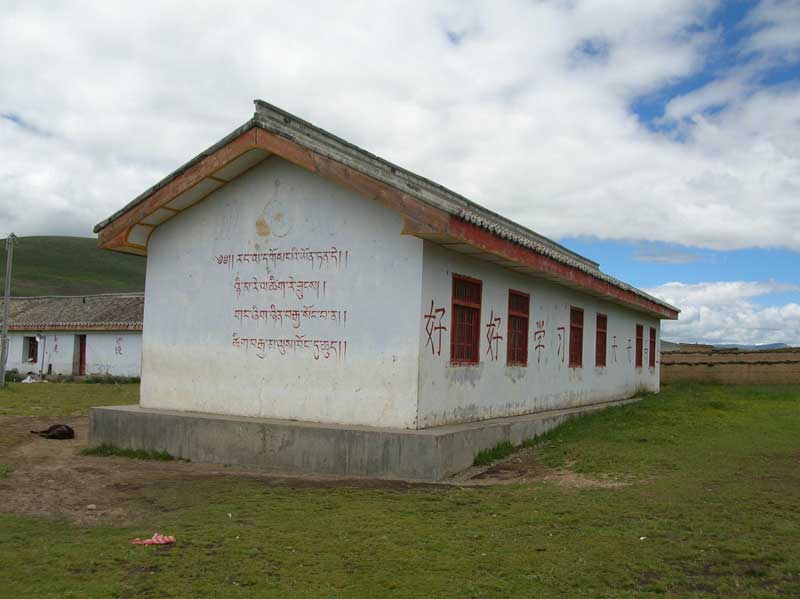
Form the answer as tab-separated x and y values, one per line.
76	335
294	276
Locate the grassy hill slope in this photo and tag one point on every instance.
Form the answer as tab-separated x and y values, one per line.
69	266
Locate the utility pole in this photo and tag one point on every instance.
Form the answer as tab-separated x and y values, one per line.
7	297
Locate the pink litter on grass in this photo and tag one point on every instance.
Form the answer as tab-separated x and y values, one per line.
156	539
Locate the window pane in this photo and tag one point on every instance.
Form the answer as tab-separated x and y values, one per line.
517	339
468	291
652	354
600	340
576	337
465	329
639	344
518	303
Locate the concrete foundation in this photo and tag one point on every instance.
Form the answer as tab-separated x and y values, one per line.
310	448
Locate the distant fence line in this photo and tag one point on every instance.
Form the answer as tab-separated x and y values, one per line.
732	366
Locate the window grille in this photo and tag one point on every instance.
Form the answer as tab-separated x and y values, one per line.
576	337
651	357
466	320
600	341
639	344
519	304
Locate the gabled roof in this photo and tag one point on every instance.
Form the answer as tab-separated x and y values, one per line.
430	211
104	312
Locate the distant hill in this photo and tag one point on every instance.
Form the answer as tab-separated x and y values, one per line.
675	346
669	345
764	346
69	266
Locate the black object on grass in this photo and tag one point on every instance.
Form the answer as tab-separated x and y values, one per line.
57	431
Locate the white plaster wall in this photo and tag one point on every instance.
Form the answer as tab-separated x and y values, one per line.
114	353
15	354
189	358
55	349
58	351
450	393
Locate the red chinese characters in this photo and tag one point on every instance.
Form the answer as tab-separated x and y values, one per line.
538	336
493	336
434	328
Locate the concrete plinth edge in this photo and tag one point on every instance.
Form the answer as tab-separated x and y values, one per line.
323	449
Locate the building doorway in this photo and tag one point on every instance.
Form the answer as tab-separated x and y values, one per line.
30	350
79	362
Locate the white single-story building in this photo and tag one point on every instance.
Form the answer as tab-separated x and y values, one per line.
292	276
76	335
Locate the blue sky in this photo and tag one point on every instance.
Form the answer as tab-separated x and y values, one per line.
653	264
727	22
661	138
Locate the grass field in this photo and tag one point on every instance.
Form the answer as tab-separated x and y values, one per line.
70	266
712	509
63	399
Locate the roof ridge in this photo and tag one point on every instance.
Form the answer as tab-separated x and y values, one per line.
80	295
274	118
285	130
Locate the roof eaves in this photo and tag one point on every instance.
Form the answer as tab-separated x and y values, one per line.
83	326
175	174
510	235
280	122
75	297
107	311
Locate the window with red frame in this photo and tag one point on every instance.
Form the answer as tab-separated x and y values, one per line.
33	350
651	357
466	320
639	344
600	340
576	337
519	305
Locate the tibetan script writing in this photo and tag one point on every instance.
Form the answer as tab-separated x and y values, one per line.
319	348
291	315
330	258
273	285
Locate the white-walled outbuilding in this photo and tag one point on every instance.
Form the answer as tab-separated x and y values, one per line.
76	335
293	276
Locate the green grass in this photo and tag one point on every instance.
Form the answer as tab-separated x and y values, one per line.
108	379
70	266
106	450
709	429
712	512
5	470
498	452
62	399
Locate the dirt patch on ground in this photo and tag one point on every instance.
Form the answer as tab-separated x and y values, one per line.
525	467
52	478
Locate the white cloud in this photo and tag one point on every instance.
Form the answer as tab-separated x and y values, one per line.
778	22
715	94
660	256
513	116
724	312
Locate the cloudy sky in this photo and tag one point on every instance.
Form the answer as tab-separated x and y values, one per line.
659	137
